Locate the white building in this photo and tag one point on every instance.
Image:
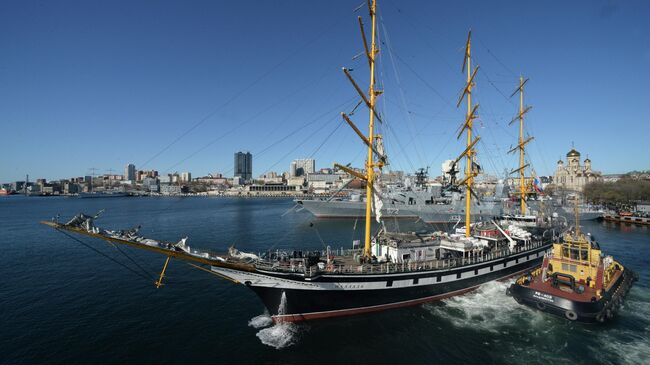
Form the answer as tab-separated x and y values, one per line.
186	177
302	167
574	176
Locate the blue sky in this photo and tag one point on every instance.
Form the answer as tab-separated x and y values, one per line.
181	86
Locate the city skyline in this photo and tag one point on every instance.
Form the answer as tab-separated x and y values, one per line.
80	93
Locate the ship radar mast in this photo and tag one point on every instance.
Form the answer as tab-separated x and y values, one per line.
370	140
522	143
469	153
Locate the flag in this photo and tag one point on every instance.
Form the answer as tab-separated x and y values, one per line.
537	186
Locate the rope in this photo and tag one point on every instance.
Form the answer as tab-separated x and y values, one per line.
242	91
134	262
105	255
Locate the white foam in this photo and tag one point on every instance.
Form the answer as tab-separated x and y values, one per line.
487	308
261	321
636	351
279	336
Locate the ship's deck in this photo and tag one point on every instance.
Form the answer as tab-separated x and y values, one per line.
565	292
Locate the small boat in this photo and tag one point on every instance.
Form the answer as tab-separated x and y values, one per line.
575	281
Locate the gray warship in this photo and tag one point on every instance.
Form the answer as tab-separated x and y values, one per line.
413	198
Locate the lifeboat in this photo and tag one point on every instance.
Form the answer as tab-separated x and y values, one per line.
576	281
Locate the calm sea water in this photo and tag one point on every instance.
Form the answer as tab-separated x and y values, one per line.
62	303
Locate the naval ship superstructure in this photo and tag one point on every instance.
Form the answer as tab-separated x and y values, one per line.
442	203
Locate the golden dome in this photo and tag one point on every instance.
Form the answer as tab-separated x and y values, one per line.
573	153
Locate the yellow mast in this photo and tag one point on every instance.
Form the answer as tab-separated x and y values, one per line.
522	186
369	100
370	168
521	144
469	117
468	168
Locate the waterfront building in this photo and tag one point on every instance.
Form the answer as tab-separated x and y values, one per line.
277	187
140	175
186	177
174	178
302	167
166	189
129	172
296	181
150	184
212	180
573	175
244	165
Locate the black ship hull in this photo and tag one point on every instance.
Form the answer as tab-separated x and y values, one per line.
593	311
294	299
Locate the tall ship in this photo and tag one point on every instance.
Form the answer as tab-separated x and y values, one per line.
391	269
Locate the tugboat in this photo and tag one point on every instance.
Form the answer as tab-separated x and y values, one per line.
575	281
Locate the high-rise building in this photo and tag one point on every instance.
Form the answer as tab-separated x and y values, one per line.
186	177
244	165
302	167
129	172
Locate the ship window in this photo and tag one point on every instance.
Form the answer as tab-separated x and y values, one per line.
516	261
389	283
575	254
527	257
439	279
565	267
416	281
505	264
476	272
458	276
491	268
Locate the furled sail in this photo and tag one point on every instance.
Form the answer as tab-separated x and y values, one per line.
377	204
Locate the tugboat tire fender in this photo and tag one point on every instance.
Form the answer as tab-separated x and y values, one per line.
541	306
571	315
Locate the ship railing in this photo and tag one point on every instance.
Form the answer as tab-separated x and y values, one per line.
393	267
416	266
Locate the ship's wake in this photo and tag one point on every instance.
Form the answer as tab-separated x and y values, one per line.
516	327
487	308
630	343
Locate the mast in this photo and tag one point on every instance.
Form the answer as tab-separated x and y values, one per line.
370	168
469	152
370	101
522	186
521	144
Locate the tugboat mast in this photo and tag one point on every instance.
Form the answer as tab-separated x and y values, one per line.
469	152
